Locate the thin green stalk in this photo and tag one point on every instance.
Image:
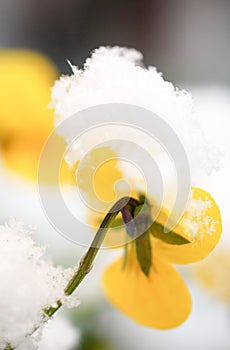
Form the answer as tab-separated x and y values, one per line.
86	262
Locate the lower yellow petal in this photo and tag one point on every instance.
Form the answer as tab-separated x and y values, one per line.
201	224
160	301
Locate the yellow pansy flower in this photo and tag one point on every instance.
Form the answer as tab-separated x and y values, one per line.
161	298
143	285
25	120
150	292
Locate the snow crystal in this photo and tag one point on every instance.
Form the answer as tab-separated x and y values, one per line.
29	284
59	334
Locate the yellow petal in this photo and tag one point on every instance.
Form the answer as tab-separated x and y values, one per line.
201	224
160	301
98	175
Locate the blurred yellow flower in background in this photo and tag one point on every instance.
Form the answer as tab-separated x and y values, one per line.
25	120
161	299
213	274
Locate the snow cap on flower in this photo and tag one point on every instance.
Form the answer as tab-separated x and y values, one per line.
116	75
29	284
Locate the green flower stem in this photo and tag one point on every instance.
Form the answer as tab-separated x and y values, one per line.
8	347
86	262
128	220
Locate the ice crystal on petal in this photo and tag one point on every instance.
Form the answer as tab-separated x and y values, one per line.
196	221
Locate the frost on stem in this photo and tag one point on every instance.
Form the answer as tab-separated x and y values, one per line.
29	284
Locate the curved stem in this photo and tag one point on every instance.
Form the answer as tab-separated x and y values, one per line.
87	261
